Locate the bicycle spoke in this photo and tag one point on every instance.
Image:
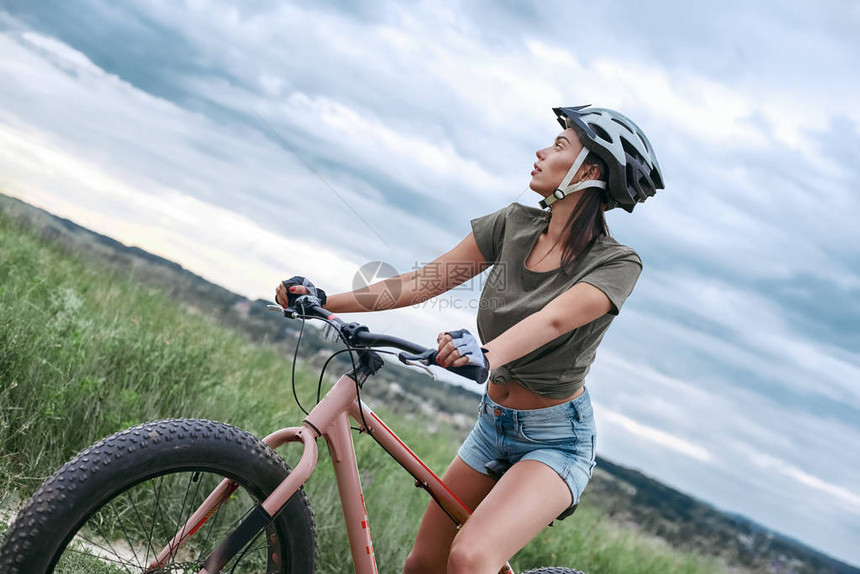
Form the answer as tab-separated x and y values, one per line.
179	522
195	477
205	551
121	523
157	507
262	544
107	541
167	536
98	557
248	550
143	526
204	548
103	556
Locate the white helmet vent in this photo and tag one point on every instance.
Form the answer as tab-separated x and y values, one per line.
601	133
620	123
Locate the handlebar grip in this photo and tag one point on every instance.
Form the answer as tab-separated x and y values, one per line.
477	373
355	332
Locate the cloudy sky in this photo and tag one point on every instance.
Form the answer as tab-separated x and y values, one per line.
251	144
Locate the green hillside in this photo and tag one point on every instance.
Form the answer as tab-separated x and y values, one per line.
96	336
85	351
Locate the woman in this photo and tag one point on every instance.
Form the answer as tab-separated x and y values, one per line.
561	279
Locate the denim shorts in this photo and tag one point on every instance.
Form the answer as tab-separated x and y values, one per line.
562	437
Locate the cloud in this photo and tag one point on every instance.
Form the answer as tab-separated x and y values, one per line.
769	463
652	434
73	60
732	325
207	239
239	167
723	442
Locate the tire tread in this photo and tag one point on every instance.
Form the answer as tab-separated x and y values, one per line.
82	477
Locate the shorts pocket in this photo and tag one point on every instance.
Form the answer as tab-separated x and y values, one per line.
482	406
553	431
586	438
593	456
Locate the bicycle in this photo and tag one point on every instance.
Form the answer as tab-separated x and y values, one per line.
124	505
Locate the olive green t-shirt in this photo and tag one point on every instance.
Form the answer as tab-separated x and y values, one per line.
512	292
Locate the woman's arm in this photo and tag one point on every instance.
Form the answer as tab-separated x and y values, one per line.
443	273
579	305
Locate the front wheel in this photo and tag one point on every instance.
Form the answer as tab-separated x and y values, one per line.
114	506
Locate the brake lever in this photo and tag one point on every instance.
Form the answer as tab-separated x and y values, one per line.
426	357
420	360
419	365
288	313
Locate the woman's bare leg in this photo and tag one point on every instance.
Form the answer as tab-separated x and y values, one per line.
430	552
527	498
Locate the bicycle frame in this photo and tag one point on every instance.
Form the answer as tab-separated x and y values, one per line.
330	420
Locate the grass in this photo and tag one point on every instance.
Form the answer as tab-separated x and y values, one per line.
85	352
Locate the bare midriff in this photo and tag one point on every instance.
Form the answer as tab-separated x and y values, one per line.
513	396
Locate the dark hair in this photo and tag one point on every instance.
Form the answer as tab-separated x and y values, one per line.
587	223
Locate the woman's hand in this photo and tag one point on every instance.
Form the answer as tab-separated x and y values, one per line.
447	351
459	348
447	355
291	289
281	293
460	352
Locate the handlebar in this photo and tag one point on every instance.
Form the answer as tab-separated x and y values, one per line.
358	335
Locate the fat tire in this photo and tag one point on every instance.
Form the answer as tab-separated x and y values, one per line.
104	471
554	570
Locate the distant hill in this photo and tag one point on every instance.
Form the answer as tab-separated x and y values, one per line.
693	525
624	494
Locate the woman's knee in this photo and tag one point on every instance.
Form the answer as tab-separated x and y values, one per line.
468	559
419	563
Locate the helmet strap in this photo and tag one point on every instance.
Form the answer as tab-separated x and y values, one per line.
566	188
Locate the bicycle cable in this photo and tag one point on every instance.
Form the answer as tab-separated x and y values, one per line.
349	348
322	372
325	365
293	369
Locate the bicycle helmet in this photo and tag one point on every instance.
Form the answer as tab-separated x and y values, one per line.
633	174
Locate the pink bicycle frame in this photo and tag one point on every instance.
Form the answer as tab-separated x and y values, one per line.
330	420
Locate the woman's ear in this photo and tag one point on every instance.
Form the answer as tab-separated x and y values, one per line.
589	172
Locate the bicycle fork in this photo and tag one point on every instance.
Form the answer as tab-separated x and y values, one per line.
262	514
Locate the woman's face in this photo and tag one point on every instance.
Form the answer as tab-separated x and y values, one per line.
554	162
